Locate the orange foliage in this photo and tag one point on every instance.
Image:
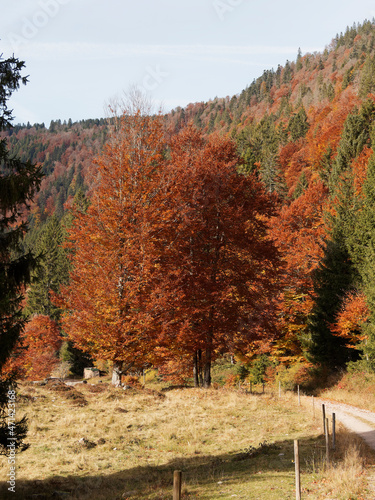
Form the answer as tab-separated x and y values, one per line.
217	265
298	232
359	166
351	318
299	229
177	371
170	255
326	127
36	355
111	258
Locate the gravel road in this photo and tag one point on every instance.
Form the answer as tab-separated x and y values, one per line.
361	422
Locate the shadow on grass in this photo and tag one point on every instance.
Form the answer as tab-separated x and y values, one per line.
268	463
179	386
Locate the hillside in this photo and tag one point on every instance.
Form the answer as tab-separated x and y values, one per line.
66	152
313	94
306	130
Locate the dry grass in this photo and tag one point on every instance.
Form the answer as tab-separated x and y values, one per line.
346	476
95	442
357	389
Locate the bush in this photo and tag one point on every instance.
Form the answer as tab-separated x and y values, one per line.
222	369
258	369
299	374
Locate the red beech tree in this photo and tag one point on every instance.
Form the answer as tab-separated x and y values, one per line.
216	267
105	306
172	259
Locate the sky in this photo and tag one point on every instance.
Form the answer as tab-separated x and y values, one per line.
81	55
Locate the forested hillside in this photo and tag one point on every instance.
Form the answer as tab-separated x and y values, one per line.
305	131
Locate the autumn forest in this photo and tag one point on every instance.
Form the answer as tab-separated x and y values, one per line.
242	227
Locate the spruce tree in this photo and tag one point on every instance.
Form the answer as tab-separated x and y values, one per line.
362	245
298	125
338	273
19	182
355	135
332	280
51	272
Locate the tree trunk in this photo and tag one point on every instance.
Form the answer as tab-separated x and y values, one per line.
195	369
207	369
116	373
200	371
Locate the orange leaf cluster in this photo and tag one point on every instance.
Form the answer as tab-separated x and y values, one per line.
36	355
351	318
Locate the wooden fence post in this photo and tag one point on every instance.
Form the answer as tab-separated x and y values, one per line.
327	440
333	431
297	470
177	476
324	418
313	405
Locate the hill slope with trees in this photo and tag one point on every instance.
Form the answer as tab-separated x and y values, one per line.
306	132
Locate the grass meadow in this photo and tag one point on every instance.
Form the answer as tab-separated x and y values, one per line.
96	442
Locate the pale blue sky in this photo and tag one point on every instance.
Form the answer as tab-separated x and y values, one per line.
82	53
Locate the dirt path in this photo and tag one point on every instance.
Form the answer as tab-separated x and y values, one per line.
361	422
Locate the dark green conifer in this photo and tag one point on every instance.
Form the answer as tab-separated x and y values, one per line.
51	272
19	182
332	280
298	125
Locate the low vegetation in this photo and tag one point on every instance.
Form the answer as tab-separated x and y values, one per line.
355	387
95	442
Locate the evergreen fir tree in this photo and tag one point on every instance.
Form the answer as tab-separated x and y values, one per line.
336	276
51	272
332	280
362	247
299	60
298	125
18	183
355	135
77	359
